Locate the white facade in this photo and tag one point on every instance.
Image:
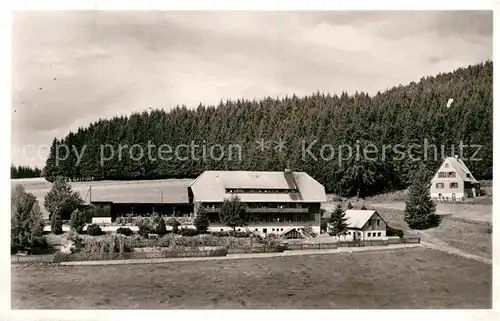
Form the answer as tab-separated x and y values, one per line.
453	181
363	235
260	229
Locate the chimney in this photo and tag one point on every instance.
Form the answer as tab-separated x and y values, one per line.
456	157
287	170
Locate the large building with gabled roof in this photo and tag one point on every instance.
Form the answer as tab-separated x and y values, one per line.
276	201
453	181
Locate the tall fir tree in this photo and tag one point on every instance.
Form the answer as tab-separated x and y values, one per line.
400	116
420	210
337	221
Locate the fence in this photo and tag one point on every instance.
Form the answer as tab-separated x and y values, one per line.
261	249
140	255
203	252
305	246
325	246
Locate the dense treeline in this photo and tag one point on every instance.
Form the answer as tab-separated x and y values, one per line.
24	171
310	126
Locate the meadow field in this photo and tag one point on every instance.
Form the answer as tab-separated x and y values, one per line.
403	278
473	212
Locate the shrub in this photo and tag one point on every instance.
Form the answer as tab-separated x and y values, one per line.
75	238
26	221
201	221
172	221
121	221
94	230
184	231
144	225
61	201
159	227
240	234
394	232
220	234
125	231
56	223
77	221
270	240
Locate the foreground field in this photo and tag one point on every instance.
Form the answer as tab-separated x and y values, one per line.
411	278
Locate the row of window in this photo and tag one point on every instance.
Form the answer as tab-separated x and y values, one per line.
260	190
370	234
447	174
259	205
452	185
266	218
263	230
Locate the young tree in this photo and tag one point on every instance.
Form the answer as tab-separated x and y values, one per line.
77	221
26	220
61	201
420	210
56	223
338	222
201	221
233	213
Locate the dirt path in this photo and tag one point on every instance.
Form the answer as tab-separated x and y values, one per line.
247	256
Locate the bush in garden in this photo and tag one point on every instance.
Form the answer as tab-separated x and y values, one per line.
220	234
144	225
184	231
94	247
270	240
94	230
121	221
158	225
124	231
201	222
394	232
77	221
172	221
240	234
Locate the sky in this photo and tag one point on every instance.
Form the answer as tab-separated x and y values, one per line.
70	68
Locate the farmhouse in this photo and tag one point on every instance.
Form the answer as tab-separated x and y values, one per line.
277	202
106	204
364	225
453	181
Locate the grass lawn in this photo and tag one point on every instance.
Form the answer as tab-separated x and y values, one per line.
470	238
477	212
411	278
